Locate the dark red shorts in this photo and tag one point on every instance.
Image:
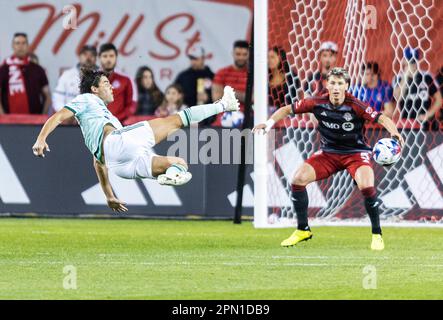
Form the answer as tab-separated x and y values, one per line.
326	164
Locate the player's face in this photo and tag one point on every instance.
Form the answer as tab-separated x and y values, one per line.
337	88
87	58
108	60
273	60
241	57
105	90
147	80
328	59
20	47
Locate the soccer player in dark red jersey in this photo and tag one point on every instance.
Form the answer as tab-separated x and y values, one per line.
341	119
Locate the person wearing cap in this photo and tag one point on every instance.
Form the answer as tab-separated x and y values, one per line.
416	92
316	82
196	81
375	91
67	85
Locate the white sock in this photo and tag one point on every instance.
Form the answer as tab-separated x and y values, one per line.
198	113
176	168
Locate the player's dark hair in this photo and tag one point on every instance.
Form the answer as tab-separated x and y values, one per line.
373	66
241	44
90	77
341	73
107	47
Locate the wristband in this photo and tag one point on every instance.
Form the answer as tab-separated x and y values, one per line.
269	124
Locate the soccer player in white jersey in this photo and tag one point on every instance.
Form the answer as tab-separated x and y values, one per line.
127	151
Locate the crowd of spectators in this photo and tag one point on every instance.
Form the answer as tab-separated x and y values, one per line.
412	95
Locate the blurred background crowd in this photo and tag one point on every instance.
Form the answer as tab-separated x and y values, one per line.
413	95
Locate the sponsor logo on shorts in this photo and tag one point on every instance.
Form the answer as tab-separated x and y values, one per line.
348	126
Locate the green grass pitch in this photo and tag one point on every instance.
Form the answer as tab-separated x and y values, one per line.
147	259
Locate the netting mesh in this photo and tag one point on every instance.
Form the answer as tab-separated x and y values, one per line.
364	30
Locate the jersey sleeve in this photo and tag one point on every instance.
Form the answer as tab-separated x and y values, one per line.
77	105
365	111
303	106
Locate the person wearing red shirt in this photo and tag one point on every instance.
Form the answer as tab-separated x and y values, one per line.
124	104
24	85
235	75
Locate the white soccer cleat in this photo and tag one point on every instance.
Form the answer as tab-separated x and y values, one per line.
229	101
176	179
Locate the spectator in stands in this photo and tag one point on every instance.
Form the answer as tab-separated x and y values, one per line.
235	75
172	103
281	79
124	104
374	90
439	81
23	84
196	81
416	92
149	95
316	83
68	84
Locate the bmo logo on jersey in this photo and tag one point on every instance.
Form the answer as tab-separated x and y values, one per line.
347	126
331	125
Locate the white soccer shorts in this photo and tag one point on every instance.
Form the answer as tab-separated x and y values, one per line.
128	151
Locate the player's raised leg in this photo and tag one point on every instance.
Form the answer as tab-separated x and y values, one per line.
162	127
174	171
364	177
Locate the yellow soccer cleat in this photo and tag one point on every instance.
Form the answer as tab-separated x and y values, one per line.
377	242
296	237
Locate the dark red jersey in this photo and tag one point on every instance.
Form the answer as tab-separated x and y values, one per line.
341	127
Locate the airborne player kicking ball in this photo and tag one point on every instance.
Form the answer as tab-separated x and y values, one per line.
127	151
341	119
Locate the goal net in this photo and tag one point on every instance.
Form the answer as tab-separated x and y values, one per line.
363	31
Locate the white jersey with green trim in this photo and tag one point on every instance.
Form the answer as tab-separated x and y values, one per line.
92	115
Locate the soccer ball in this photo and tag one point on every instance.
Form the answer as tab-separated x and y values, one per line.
386	151
232	119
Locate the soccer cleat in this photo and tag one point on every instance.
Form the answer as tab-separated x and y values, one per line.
176	179
377	242
296	237
229	101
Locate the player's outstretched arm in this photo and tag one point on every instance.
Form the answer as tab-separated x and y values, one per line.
392	128
278	115
53	122
103	178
